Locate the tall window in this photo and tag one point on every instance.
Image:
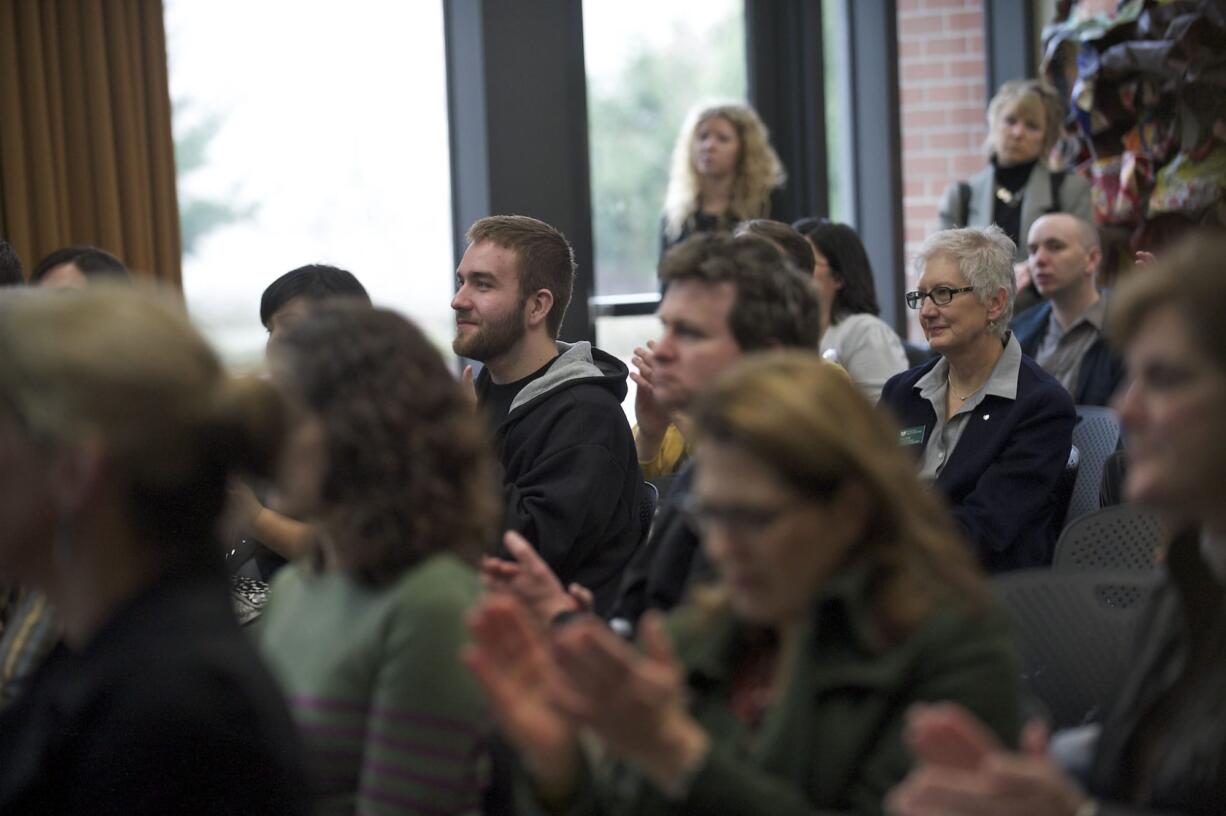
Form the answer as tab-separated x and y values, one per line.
310	133
647	63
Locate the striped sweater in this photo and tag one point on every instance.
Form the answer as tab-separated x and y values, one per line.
392	720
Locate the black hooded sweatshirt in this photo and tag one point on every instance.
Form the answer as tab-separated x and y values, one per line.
570	472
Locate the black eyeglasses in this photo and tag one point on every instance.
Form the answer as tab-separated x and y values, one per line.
740	520
941	296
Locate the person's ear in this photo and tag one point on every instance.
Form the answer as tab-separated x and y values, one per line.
537	307
996	304
1094	258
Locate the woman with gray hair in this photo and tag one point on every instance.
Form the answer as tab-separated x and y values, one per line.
991	429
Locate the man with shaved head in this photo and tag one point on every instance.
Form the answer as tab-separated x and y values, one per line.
1064	333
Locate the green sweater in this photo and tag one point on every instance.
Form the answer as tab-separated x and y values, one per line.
392	720
833	742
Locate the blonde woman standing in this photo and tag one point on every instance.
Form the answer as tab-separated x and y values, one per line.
723	171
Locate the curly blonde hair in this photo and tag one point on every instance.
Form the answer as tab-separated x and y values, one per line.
759	170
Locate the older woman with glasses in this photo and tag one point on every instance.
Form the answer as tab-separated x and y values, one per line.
1162	744
991	429
844	598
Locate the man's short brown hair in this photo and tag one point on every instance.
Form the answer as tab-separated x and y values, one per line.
546	260
775	304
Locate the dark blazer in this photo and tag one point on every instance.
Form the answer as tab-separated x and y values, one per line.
1101	372
1001	478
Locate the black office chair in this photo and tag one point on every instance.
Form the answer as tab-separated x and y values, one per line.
663	486
1120	537
1063	493
1074	631
917	354
1097	436
647	509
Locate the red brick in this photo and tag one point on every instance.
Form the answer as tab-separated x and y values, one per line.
922	118
969	22
969	116
923	70
942	46
913	166
910	49
910	27
911	95
916	212
955	140
974	44
948	93
964	166
912	189
948	4
912	142
914	233
966	67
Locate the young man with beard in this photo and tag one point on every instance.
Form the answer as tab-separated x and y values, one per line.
571	478
723	298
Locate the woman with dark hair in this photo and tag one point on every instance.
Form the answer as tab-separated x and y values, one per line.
852	333
75	267
1162	746
290	297
844	597
389	461
263	538
118	429
10	266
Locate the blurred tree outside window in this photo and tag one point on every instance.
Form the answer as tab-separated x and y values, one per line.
310	132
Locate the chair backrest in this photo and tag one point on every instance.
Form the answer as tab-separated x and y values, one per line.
1120	537
1063	492
663	486
1074	632
647	509
917	354
1096	435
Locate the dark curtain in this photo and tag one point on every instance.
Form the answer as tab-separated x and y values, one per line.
86	150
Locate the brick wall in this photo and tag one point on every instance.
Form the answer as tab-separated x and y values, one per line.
943	99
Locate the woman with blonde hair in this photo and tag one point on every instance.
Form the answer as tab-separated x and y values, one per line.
1018	185
844	597
118	431
723	172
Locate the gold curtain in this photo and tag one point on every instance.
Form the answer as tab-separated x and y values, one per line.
86	150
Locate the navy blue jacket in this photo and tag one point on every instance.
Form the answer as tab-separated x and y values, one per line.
1001	478
1101	372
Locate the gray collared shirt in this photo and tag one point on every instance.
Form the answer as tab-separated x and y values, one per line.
933	387
1062	350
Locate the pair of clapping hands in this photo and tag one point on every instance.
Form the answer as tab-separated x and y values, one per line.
963	770
546	682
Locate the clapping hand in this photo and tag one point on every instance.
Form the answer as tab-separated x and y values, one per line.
511	660
962	770
651	417
532	582
634	701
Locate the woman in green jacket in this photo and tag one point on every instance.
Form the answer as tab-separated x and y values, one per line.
845	597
